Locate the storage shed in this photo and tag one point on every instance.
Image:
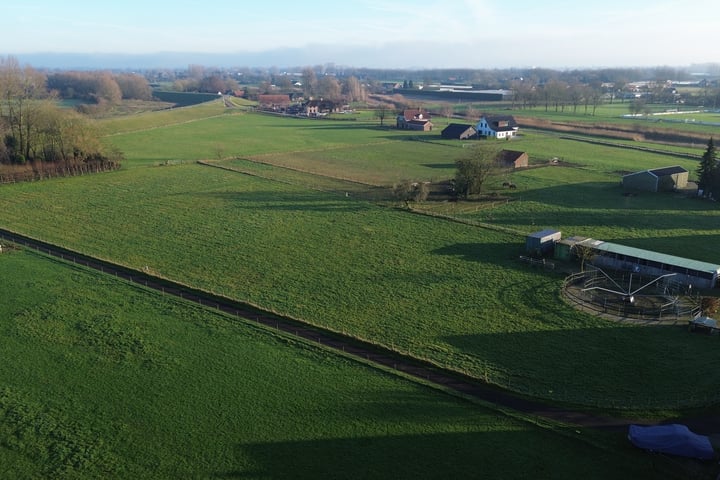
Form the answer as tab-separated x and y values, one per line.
564	247
542	242
513	159
458	131
656	180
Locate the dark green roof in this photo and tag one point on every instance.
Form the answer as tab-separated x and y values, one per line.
695	265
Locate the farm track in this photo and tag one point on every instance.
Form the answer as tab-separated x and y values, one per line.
370	353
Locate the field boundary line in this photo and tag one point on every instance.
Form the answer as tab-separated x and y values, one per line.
209	163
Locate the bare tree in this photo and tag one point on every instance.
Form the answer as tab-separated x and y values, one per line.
473	169
134	86
35	127
355	90
19	88
472	113
309	82
583	253
329	88
382	111
555	93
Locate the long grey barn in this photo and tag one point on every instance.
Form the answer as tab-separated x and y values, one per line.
620	257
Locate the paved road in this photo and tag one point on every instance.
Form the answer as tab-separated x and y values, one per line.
358	348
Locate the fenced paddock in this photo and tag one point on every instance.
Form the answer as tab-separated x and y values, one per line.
662	301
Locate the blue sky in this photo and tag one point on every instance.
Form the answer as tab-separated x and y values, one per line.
375	33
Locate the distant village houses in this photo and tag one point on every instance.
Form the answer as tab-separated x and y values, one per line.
316	108
275	103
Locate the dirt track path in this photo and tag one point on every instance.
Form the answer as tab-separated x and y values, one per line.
354	347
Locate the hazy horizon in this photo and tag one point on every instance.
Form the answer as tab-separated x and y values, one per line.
400	34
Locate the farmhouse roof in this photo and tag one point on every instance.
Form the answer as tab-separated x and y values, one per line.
274	99
501	123
415	114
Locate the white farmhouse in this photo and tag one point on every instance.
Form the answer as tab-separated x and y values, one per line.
497	126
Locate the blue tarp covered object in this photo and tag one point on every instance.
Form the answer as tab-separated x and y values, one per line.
672	439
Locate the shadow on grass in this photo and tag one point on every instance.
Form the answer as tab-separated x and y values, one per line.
499	253
287	201
506	255
442	166
615	366
608	195
507	454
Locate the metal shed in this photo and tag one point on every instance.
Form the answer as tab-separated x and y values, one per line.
542	242
656	180
564	247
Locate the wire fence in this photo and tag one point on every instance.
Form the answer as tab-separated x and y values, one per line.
665	303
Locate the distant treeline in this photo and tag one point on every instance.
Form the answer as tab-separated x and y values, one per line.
40	139
99	87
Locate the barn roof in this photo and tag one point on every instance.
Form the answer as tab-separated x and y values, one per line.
663	258
456	129
662	172
509	156
544	233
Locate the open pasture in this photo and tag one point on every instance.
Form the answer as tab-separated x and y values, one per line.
159	119
378	164
608	159
451	293
589	203
661	117
108	380
231	133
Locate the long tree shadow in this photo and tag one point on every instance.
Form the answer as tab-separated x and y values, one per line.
286	201
615	366
511	453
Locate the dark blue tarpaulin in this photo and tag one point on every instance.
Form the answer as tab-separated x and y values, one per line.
672	439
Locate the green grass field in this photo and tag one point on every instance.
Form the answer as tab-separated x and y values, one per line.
661	116
107	380
451	293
